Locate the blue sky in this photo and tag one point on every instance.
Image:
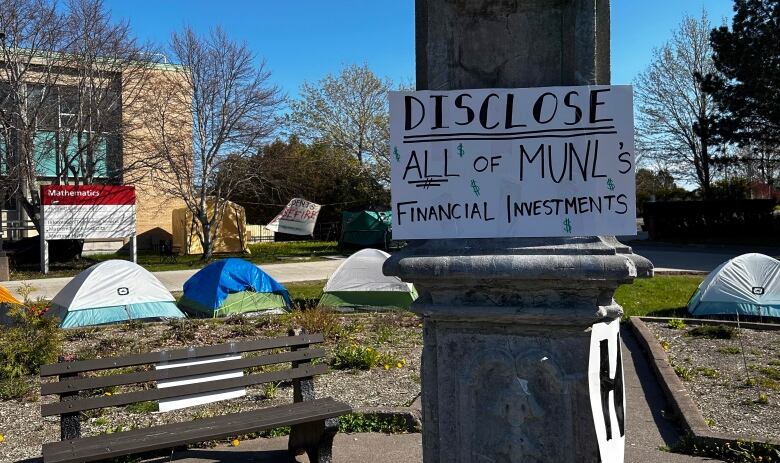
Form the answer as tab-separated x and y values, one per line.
304	40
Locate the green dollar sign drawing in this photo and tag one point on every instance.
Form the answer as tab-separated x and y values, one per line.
567	225
395	152
610	184
475	187
460	150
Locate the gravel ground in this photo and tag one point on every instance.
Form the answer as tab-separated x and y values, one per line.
398	335
732	398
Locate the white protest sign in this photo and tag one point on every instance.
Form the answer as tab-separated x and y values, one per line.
483	163
606	390
297	218
176	403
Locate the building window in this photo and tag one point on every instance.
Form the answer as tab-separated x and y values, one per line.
74	139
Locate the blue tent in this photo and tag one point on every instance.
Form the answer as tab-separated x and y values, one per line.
232	286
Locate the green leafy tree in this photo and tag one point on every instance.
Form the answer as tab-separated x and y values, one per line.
657	186
318	172
746	86
349	111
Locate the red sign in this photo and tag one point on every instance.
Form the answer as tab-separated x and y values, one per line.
88	195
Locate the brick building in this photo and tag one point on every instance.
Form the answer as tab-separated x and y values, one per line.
117	153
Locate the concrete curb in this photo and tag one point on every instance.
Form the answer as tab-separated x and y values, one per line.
684	408
702	321
671	271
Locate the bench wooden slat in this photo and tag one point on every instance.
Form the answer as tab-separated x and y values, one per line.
179	354
58	408
167	436
95	382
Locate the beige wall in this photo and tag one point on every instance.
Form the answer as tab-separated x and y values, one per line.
148	95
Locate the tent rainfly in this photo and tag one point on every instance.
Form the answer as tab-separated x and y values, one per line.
113	291
359	281
6	297
6	300
365	228
233	286
747	285
232	235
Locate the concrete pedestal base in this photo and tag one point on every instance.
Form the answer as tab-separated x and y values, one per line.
506	394
5	268
509	372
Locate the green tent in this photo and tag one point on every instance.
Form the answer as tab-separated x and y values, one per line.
237	303
359	282
233	286
366	228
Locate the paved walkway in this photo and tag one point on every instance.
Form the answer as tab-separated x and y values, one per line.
647	431
173	280
667	258
679	258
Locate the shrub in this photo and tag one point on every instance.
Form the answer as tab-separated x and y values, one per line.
143	407
729	350
685	373
33	340
714	219
676	324
714	331
182	331
739	451
358	422
314	319
14	388
354	356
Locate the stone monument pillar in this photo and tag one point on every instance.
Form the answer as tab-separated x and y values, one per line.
508	322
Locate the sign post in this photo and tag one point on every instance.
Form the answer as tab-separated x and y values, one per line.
512	166
86	212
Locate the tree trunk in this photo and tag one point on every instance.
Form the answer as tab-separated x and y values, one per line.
207	243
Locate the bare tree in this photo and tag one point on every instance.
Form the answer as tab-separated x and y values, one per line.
33	35
225	97
351	112
673	112
65	74
111	70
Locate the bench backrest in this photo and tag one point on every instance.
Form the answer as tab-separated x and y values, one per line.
299	352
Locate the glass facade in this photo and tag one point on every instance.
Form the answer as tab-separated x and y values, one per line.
62	146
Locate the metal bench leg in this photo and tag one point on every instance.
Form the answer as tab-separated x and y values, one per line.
315	438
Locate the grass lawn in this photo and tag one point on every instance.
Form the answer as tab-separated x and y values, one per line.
305	292
660	296
261	253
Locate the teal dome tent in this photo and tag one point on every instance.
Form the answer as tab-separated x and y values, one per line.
747	285
113	291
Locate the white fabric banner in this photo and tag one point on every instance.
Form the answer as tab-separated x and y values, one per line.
297	218
484	163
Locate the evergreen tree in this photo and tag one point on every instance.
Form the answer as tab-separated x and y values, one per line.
747	90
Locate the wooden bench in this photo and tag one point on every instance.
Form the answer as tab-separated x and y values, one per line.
313	421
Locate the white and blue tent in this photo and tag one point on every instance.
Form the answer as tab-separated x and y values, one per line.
113	291
747	285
